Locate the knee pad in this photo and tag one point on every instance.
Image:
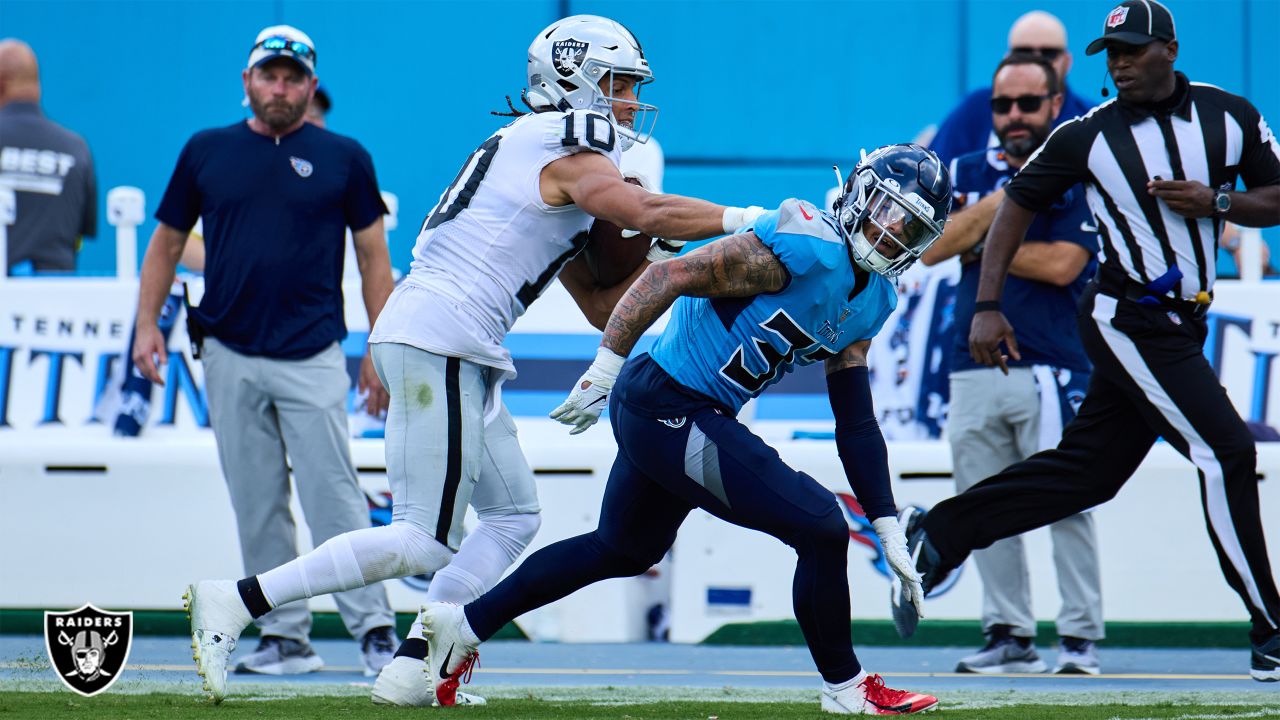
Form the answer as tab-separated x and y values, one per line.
419	551
512	533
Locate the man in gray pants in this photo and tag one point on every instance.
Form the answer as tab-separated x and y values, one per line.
994	421
276	195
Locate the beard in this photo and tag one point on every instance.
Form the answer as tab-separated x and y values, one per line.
277	114
1022	147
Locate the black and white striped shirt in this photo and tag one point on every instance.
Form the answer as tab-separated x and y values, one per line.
1203	133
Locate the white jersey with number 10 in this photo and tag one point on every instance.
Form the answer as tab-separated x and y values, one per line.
491	245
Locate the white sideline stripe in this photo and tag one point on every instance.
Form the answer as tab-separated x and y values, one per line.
1264	713
957	700
1252	704
1104	311
729	673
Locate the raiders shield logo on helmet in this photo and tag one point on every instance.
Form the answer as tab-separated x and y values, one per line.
568	54
88	647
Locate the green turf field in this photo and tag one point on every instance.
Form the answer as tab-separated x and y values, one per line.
113	706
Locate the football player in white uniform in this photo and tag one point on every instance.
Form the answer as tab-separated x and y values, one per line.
515	215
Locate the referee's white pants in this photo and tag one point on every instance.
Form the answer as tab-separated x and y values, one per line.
993	422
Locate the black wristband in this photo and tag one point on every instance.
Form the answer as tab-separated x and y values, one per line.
986	306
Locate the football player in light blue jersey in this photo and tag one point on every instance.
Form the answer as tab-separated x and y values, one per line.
797	286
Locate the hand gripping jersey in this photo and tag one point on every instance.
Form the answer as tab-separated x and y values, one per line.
731	349
491	245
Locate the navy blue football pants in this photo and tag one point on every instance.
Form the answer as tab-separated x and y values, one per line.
664	469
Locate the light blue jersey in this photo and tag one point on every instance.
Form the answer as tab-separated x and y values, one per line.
731	349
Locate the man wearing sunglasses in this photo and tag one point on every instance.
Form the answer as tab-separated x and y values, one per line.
995	421
276	195
969	128
1160	166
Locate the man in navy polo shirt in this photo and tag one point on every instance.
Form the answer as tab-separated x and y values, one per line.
968	127
276	195
995	421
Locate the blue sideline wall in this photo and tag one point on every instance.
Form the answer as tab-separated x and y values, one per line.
757	99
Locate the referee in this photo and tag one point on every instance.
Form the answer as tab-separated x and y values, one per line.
1159	165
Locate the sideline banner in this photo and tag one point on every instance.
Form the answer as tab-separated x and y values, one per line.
63	339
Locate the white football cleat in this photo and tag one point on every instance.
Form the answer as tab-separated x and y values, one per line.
450	656
217	616
403	682
871	697
461	698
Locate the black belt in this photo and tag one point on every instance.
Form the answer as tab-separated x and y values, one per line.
1119	285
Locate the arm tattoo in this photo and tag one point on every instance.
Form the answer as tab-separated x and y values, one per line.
737	266
853	356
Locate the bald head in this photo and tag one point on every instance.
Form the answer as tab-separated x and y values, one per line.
1037	29
19	73
1040	30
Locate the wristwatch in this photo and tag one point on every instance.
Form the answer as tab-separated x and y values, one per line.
1221	202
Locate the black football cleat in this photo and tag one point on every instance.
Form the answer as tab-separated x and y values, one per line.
1264	664
928	563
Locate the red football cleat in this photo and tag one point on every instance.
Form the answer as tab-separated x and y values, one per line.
873	697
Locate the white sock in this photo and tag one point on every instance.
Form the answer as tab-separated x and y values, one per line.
355	559
851	682
468	635
484	555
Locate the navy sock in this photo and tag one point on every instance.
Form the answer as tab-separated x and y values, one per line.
820	595
254	599
415	648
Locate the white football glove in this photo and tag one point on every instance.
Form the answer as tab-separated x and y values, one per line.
736	217
894	542
590	395
663	249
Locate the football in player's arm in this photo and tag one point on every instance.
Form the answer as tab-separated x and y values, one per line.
594	183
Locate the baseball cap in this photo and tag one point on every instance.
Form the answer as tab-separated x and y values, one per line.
1135	22
284	41
323	99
